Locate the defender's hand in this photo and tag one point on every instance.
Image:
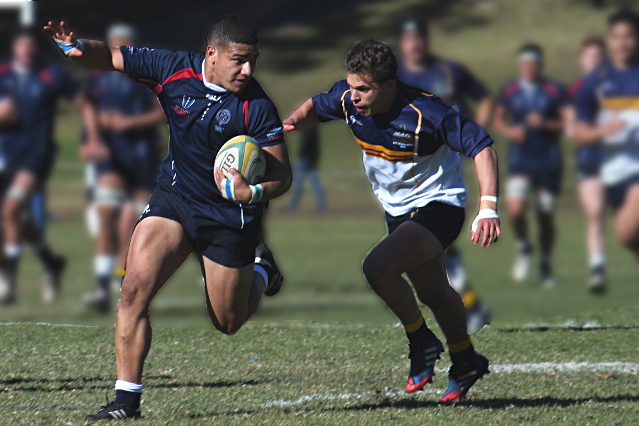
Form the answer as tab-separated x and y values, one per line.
241	192
288	125
62	35
486	222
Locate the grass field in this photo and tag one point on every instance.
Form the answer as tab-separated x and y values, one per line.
326	374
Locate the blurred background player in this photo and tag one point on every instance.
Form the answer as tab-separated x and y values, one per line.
588	159
306	167
29	151
531	113
455	85
608	112
126	162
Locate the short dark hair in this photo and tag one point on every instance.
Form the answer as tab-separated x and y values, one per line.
625	16
594	40
26	32
373	58
420	26
232	29
531	48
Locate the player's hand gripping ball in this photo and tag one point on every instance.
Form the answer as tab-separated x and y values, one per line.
245	155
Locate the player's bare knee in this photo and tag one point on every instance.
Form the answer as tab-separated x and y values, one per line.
374	271
134	292
229	327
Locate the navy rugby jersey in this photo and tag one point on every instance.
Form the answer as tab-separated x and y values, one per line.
411	152
112	91
35	92
540	150
606	93
202	117
451	81
589	157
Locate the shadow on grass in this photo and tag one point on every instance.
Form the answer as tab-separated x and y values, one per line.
67	384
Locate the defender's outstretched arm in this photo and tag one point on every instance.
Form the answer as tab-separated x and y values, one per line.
90	53
303	118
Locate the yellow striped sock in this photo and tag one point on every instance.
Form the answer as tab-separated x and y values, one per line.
410	328
119	272
469	297
458	347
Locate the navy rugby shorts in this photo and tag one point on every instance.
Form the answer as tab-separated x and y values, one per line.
443	220
616	194
225	245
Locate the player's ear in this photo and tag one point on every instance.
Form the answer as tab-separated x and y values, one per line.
211	54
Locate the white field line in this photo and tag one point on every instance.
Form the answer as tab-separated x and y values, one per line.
541	367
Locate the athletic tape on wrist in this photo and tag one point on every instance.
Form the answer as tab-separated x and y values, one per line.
257	192
484	214
489	198
67	47
228	189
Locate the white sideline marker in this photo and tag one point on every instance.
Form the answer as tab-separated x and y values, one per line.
539	367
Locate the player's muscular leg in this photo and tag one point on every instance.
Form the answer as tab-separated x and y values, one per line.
591	196
158	247
409	245
627	221
23	185
233	294
432	287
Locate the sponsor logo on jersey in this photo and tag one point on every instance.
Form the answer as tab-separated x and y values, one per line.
187	102
214	98
223	117
355	121
403	139
274	134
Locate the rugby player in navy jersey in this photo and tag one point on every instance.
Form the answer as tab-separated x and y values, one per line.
607	106
410	141
588	159
28	151
455	85
125	161
531	113
208	99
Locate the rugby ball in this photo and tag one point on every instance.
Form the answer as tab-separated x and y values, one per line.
243	154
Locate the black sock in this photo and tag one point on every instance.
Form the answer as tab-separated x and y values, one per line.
130	399
103	283
421	335
46	257
465	357
11	266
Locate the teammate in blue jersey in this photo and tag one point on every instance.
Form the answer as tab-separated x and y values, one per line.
455	85
208	99
410	141
126	163
28	151
531	114
588	159
607	107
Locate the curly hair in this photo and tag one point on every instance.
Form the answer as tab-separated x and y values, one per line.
373	58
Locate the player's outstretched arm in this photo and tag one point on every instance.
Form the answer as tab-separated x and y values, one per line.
90	53
276	182
303	118
487	220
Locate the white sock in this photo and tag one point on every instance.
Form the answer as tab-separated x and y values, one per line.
13	250
259	269
128	386
104	265
597	261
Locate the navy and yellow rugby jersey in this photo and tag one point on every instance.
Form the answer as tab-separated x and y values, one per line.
112	91
410	153
606	93
35	92
202	117
540	151
451	81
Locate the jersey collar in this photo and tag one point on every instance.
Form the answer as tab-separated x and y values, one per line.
211	86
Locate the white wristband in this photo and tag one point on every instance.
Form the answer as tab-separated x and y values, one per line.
484	214
228	189
257	192
489	198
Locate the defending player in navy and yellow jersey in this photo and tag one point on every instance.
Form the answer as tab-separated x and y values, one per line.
588	160
410	141
208	99
607	108
532	112
124	162
455	85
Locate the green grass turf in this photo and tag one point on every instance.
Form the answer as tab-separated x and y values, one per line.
337	374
